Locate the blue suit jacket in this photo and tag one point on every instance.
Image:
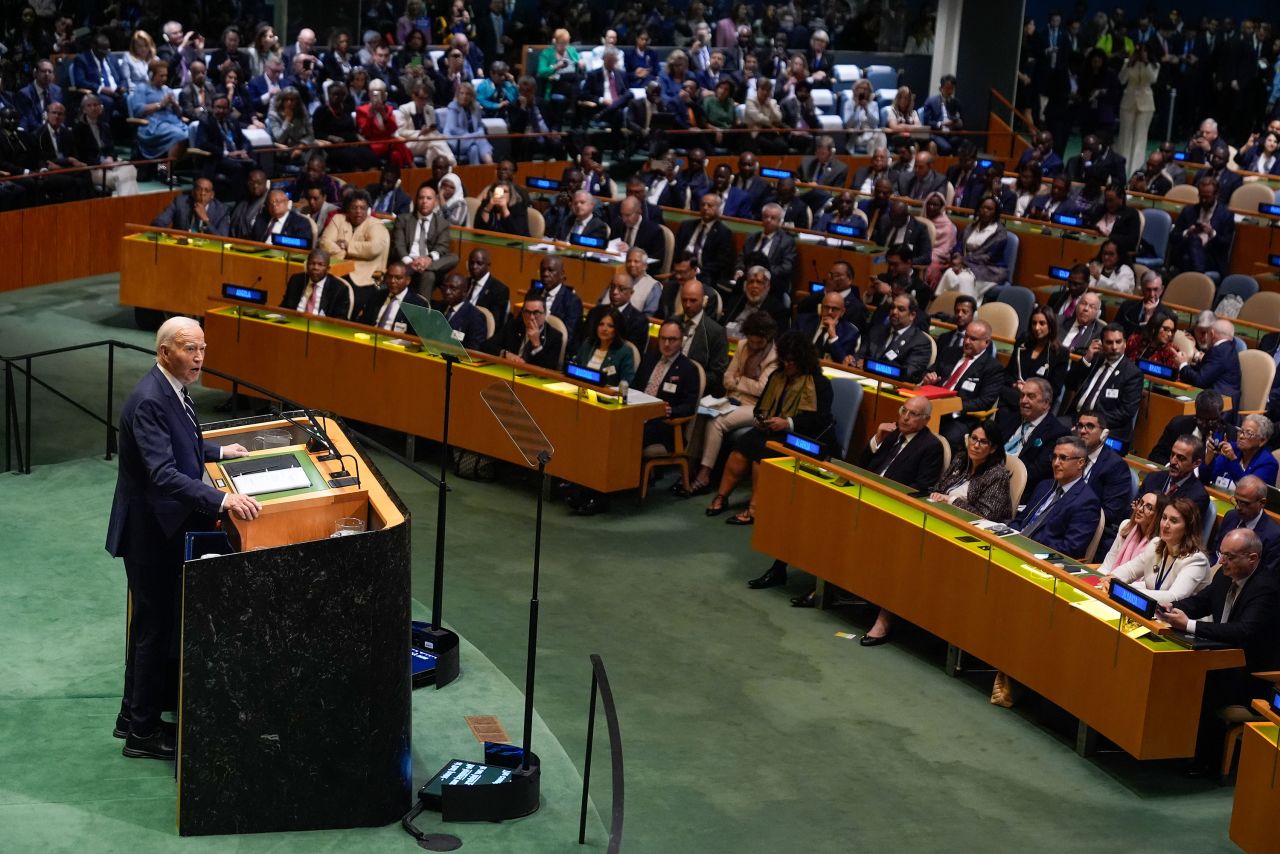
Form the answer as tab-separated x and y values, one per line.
470	322
1267	529
86	75
158	486
568	307
1110	480
1219	370
738	203
1191	488
931	112
295	225
845	344
1069	524
1050	167
30	114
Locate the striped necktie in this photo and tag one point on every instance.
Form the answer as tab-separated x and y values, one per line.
1042	514
191	409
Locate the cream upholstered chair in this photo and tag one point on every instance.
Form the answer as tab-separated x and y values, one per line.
1097	538
1186	194
678	455
1002	317
1257	371
558	325
1192	290
1263	307
1017	480
489	324
473	205
537	225
1250	194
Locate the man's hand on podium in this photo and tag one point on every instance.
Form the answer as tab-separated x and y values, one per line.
242	506
230	452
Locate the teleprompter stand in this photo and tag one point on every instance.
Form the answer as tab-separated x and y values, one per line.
506	783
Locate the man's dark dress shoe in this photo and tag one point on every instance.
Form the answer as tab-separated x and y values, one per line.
158	745
590	507
123	723
774	577
808	600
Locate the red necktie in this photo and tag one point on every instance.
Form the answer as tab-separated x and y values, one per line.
311	301
613	88
957	374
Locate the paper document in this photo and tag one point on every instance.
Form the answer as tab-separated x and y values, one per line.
541	247
276	480
712	405
996	528
1097	608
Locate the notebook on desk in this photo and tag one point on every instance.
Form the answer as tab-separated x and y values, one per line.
258	475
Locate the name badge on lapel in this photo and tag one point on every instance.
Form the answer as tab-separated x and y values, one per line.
969	385
1111	393
669	388
890	355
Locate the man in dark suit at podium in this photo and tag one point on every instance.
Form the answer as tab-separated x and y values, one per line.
159	498
1062	513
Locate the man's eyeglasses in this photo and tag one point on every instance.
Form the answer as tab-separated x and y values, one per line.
670	339
1087	425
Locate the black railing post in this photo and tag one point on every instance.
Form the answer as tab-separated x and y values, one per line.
26	468
9	421
111	388
586	762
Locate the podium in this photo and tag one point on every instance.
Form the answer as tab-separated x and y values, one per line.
294	712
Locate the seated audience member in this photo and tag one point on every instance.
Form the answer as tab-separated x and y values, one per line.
708	242
1173	564
823	168
278	218
843	211
1104	380
839	280
496	92
754	361
1106	473
250	209
900	228
635	323
198	212
164	134
763	115
755	296
423	241
833	337
317	175
1135	315
525	116
376	122
484	290
289	124
334	124
604	348
1228	181
771	247
1141	528
230	153
452	199
1037	353
1063	301
800	112
984	242
464	121
502	210
1154	343
705	341
637	232
1250	512
1063	512
386	195
55	149
877	206
1205	424
670	376
1202	233
637	189
1058	201
977	481
757	189
958	278
899	277
1218	368
582	221
1042	152
922	179
1152	179
1086	328
1110	270
528	338
1118	222
796	398
905	451
1032	429
1179	480
951	342
862	121
94	146
316	292
98	73
463	317
562	300
358	237
1225	463
976	376
417	125
646	291
795	211
383	307
316	209
901	343
1265	157
1244	606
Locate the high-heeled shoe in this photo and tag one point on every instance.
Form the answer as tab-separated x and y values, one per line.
719	504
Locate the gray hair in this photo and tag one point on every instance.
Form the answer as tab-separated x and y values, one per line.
758	270
1224	329
611	51
826	142
1148	276
1075	442
170	329
1205	319
1042	385
1263	425
772	206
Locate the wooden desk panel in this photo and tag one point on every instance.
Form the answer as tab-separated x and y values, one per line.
1154	414
597	446
1146	699
1253	243
1255	812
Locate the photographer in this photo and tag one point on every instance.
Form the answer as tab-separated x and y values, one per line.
1206	424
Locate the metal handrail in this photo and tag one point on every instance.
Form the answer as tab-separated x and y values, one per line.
600	685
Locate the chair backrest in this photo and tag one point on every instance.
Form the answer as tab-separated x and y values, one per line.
944	303
847	73
1140	270
537	225
473	205
668	247
1133	484
1238	284
558	325
1210	519
635	353
1023	302
882	77
1249	195
1155	230
489	323
1142	225
1186	194
1263	307
824	99
1017	480
1097	537
351	294
1010	254
1257	371
929	227
933	351
946	451
1002	317
1190	289
846	399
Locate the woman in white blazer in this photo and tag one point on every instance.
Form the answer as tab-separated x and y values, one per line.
1173	565
1137	106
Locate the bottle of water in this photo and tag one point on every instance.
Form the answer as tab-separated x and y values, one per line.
623	388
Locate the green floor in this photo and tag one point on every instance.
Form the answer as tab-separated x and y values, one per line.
747	725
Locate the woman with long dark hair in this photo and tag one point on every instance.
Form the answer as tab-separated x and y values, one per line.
1037	353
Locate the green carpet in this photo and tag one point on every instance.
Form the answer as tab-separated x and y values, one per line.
747	725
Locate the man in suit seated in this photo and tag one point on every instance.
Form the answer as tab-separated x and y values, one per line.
864	179
261	89
1042	152
753	185
1062	513
423	240
1134	315
635	323
839	280
1217	368
770	247
795	211
976	376
1249	513
247	212
605	94
1063	301
562	301
922	179
834	337
230	153
462	315
33	99
1201	236
639	190
1153	180
1086	327
704	339
382	307
899	277
198	212
669	375
636	232
1104	380
387	195
316	292
583	220
709	242
900	343
1032	430
1179	480
951	342
99	72
900	228
842	211
1205	424
823	168
526	338
55	149
1106	473
484	290
941	112
1218	170
756	296
1244	604
277	218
